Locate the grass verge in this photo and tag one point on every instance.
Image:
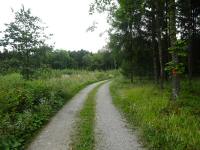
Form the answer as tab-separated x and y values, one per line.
164	125
83	137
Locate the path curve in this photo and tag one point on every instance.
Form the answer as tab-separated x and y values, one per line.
56	135
111	132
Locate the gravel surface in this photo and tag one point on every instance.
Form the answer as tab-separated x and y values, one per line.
111	132
56	135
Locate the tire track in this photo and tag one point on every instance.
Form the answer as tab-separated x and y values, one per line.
111	131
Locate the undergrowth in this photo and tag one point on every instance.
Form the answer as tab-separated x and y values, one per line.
25	106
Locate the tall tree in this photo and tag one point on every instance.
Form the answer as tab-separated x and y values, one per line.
173	39
154	43
24	34
157	30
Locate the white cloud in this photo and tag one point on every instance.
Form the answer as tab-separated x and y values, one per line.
66	19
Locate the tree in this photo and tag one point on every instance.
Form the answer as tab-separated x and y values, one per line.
24	34
188	14
60	59
158	31
140	28
175	61
154	42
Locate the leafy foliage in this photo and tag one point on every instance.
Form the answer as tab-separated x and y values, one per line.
45	57
180	49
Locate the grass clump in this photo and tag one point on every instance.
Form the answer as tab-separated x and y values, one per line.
164	125
83	137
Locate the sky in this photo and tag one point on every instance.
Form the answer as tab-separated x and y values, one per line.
67	20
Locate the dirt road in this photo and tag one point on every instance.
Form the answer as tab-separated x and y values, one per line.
111	131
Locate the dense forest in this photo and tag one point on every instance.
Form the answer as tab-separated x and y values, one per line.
155	38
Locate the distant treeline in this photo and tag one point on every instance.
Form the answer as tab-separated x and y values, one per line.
46	57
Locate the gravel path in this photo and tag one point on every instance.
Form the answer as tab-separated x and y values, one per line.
56	135
111	131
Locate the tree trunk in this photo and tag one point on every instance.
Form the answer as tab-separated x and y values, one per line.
167	38
189	41
172	23
27	65
190	60
154	47
115	63
131	76
158	31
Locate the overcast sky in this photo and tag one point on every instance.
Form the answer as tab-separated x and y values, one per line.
66	19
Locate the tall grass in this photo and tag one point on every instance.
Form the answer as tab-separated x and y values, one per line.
164	125
25	106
